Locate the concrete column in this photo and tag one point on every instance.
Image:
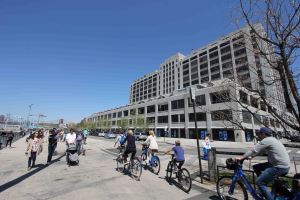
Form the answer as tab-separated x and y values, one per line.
208	115
186	115
156	111
169	118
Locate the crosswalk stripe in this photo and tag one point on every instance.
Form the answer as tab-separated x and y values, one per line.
298	151
289	151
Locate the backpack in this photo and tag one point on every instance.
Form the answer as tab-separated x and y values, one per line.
122	139
79	137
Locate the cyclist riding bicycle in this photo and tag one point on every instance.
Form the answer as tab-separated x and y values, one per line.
179	154
130	146
120	141
278	160
153	146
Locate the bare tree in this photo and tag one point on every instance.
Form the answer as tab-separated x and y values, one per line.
278	43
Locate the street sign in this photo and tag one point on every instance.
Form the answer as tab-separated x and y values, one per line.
192	93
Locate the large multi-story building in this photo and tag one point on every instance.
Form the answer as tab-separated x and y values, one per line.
144	88
230	66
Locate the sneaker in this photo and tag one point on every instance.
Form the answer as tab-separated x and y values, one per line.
29	168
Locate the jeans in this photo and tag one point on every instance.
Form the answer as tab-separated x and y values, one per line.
32	158
78	146
266	174
51	149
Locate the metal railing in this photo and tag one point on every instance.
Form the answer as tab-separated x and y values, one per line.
4	138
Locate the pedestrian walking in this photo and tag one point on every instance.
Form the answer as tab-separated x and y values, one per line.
71	138
33	149
52	144
10	137
79	141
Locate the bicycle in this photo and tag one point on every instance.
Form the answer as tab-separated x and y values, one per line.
154	163
233	187
133	167
183	175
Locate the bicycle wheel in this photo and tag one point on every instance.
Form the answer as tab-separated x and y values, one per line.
143	159
120	164
184	179
136	168
155	165
169	171
223	185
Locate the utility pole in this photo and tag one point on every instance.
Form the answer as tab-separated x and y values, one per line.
193	98
28	122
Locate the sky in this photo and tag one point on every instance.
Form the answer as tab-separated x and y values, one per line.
72	58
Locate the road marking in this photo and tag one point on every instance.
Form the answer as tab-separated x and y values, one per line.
289	151
298	151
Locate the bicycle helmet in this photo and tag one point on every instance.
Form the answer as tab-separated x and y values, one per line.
231	164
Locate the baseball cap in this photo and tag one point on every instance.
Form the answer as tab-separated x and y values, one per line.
266	131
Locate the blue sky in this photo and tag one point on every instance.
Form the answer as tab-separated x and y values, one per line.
71	58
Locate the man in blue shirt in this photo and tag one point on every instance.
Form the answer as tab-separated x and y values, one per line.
179	153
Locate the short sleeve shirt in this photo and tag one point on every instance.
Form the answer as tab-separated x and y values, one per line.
71	138
179	153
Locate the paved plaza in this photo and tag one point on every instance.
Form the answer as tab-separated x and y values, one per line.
94	178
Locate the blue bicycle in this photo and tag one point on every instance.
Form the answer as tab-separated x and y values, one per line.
154	163
233	187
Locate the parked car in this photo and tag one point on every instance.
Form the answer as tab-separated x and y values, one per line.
110	135
102	134
140	136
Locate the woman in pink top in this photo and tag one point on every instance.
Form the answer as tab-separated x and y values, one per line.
153	147
33	149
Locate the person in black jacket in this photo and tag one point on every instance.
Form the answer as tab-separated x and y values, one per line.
130	146
10	138
52	143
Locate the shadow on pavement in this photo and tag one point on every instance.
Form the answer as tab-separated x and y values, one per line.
37	168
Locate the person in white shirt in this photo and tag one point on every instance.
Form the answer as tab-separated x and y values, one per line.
71	138
153	146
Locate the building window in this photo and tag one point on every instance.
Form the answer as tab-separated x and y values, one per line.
221	115
141	110
243	97
163	107
219	97
200	100
113	123
177	104
109	116
132	111
246	117
253	102
200	117
151	109
119	114
162	119
114	115
125	113
150	120
182	118
175	118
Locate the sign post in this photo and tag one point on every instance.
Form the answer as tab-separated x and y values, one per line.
193	98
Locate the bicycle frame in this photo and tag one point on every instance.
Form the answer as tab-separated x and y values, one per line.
145	152
239	175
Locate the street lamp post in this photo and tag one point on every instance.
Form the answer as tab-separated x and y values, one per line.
28	123
193	97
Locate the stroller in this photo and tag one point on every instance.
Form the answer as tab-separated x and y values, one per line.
72	155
